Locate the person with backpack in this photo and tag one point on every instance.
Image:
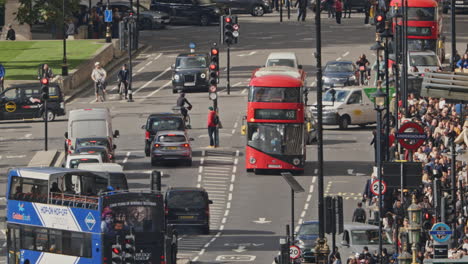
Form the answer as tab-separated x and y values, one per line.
213	121
359	214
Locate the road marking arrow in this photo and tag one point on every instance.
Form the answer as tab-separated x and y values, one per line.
240	249
262	220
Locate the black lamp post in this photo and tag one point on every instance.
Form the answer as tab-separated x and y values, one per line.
64	62
387	35
379	106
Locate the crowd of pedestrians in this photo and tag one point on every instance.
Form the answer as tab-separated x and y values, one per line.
95	19
444	125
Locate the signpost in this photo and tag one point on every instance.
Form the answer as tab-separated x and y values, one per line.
374	188
294	252
441	233
411	140
107	15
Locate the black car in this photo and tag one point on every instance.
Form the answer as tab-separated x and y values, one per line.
188	206
148	19
190	72
202	12
253	7
24	101
82	143
339	73
160	122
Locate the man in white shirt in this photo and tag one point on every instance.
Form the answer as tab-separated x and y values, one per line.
99	77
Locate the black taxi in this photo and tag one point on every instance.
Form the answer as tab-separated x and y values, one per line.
190	72
24	101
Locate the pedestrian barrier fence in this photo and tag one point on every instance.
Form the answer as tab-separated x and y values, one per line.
449	85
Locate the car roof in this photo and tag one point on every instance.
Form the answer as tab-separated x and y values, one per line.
350	88
93	138
83	156
339	62
192	54
167	132
282	55
92	148
197	189
106	167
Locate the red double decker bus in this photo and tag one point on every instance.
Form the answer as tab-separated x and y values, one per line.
425	25
276	132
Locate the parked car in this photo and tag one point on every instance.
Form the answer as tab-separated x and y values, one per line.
24	101
148	19
306	238
202	12
160	122
171	146
253	7
188	206
339	73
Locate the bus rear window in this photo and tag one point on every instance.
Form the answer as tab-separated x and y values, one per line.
186	199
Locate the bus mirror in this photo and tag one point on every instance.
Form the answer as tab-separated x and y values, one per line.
243	130
66	135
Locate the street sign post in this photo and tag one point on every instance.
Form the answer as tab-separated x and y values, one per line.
107	15
374	188
407	132
440	232
440	251
294	252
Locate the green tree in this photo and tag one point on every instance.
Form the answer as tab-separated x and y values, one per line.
49	11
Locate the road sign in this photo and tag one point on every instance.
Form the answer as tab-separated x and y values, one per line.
441	232
375	187
294	252
440	251
107	15
412	132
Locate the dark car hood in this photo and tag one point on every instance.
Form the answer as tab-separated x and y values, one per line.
309	240
338	74
190	71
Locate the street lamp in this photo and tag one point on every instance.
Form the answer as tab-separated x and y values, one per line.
414	213
377	47
64	62
387	35
404	257
379	106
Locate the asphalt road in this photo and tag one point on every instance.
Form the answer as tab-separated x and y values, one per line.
249	212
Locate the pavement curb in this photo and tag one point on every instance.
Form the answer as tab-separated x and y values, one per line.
111	67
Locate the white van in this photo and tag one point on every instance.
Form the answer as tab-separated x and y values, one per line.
282	59
112	171
89	123
351	106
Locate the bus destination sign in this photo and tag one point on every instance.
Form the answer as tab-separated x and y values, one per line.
276	114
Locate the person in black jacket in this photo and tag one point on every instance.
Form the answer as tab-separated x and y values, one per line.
302	9
11	34
123	78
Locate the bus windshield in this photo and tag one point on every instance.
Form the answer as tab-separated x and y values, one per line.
277	95
421	13
421	44
280	139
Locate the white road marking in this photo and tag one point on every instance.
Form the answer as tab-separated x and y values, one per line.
148	63
15	157
126	158
244	91
339	58
159	89
152	80
141	69
345	54
27	135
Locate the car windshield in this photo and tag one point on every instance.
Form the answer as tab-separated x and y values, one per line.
340	96
276	94
280	139
424	60
91	142
75	162
159	124
186	199
309	229
281	62
339	67
369	237
172	138
190	62
421	13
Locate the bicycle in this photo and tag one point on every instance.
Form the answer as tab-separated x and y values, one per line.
101	90
123	86
179	109
364	75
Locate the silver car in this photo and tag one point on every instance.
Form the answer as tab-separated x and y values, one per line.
171	146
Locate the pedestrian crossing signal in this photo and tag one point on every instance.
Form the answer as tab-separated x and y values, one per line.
116	254
45	88
213	75
229	30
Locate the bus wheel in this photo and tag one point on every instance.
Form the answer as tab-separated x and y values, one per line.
344	122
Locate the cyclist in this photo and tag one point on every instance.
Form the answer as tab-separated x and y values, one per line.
123	77
181	101
99	77
364	69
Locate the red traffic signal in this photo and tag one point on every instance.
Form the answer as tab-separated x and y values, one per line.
116	250
212	66
45	81
379	18
214	51
228	20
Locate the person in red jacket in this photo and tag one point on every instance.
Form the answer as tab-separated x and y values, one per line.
338	11
212	126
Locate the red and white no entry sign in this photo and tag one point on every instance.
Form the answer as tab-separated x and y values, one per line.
374	188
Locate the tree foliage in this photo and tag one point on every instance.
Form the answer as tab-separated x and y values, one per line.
49	11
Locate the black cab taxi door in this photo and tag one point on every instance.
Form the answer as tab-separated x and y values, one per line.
32	102
10	104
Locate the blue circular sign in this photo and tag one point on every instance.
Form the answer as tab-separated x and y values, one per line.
192	45
441	232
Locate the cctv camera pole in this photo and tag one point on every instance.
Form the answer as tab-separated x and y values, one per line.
228	68
453	36
281	10
130	24
46	131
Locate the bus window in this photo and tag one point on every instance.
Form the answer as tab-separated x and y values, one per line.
276	138
55	241
41	239
31	190
421	13
78	248
28	238
280	95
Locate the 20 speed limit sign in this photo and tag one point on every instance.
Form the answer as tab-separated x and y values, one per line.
294	252
374	188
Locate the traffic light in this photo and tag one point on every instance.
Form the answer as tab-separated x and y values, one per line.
213	71
426	219
229	30
129	249
45	88
329	215
448	210
117	254
339	214
380	23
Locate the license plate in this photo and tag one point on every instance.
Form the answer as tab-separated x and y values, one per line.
171	148
186	217
189	84
274	166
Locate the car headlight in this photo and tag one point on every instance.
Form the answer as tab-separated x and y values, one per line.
252	160
217	11
176	77
296	161
352	78
202	76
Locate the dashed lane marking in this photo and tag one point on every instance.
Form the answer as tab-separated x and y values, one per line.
152	80
345	54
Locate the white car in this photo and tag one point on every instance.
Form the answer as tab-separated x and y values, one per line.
73	160
423	61
283	59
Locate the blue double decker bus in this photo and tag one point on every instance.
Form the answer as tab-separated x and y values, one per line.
57	215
